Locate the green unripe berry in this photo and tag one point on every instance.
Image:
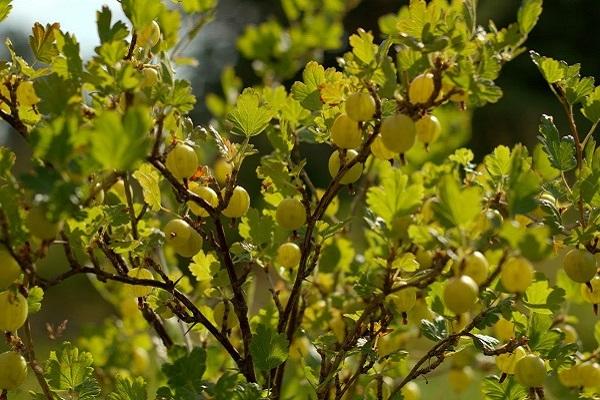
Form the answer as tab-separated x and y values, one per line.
580	265
507	362
13	311
460	294
517	274
411	391
398	133
191	247
530	371
353	174
206	193
405	299
182	161
345	132
360	106
177	232
13	370
290	214
9	269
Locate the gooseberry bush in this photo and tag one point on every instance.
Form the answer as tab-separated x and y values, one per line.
396	261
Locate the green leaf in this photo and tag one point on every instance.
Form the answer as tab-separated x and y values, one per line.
106	31
268	348
336	255
141	12
42	42
5	8
456	206
121	142
542	338
591	106
552	70
394	196
202	265
484	342
129	389
69	368
257	228
528	15
34	299
250	115
560	150
196	6
148	179
498	163
363	47
69	65
307	92
533	242
542	298
578	89
508	390
436	330
184	374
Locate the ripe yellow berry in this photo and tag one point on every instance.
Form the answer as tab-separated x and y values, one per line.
589	374
149	36
570	377
206	193
476	266
379	150
421	88
460	294
570	334
507	362
360	106
182	161
177	232
504	329
517	274
398	133
222	171
351	175
239	203
191	247
290	214
411	391
288	255
345	132
150	77
591	296
140	273
428	128
460	378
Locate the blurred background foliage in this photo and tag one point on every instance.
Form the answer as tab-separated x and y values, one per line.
235	50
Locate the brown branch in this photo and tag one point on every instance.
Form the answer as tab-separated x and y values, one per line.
152	319
33	363
129	199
